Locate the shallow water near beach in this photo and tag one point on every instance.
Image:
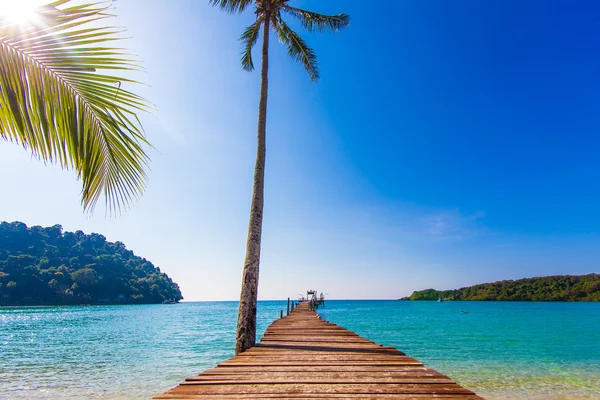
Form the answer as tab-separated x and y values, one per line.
500	350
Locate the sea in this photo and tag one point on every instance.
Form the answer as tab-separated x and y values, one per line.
500	350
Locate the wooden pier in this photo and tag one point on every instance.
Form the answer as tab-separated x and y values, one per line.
303	357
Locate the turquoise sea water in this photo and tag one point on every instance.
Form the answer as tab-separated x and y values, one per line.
500	350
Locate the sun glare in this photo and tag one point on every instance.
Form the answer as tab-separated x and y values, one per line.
19	11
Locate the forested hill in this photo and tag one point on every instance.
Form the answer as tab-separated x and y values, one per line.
43	266
547	288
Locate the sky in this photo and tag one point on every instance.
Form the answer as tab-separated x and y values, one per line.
446	144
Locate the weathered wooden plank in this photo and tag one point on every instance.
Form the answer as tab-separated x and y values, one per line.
324	389
318	339
323	344
308	362
319	330
367	352
309	375
309	333
380	396
329	348
332	368
321	357
241	380
261	347
323	370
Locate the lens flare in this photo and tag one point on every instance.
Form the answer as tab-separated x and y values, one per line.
19	11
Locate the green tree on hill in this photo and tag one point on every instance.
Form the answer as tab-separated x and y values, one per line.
547	288
82	269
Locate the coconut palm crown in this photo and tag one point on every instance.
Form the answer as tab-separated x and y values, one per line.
61	97
269	16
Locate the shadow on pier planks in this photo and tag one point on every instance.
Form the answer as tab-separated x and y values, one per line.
304	357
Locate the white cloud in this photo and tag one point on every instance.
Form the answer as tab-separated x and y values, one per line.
452	224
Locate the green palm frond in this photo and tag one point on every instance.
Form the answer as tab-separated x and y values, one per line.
248	39
55	101
312	21
298	50
231	6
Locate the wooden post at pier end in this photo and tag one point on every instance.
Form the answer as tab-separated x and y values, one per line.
304	357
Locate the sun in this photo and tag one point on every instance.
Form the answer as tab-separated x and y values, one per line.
19	11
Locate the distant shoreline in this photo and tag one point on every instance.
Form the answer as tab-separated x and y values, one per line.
558	288
283	302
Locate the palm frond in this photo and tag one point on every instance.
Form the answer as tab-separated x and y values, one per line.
56	103
312	21
298	50
231	6
248	39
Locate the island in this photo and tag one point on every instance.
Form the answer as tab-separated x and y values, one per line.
46	266
546	288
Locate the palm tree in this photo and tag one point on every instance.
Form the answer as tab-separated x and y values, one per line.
56	103
269	16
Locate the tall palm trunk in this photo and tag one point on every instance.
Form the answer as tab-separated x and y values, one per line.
246	327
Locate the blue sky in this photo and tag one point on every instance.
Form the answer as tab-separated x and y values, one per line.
447	144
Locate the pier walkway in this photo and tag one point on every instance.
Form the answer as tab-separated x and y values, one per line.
303	357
